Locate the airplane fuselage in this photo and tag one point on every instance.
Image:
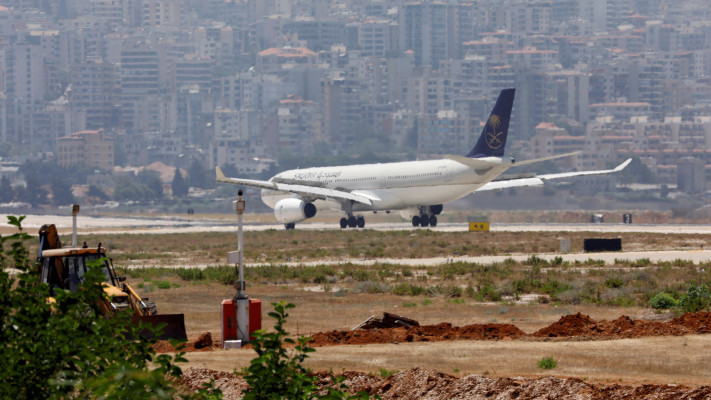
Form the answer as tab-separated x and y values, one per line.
391	186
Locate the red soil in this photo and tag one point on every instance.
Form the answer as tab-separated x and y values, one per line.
569	326
421	383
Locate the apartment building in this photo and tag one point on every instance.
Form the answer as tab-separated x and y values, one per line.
91	148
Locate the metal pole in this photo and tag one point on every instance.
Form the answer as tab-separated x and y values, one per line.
239	208
75	211
241	299
240	248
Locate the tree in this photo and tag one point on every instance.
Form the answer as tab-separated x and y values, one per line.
128	189
7	193
179	185
151	179
33	192
636	172
196	175
61	191
66	348
95	191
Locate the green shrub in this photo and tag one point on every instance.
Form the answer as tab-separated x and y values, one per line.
697	298
536	261
162	284
384	373
662	301
277	374
190	274
614	282
407	289
547	363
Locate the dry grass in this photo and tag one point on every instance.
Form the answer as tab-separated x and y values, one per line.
274	246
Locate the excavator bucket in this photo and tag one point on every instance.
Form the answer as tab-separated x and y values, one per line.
173	325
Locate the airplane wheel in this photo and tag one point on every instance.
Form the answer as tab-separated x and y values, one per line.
352	222
425	220
290	225
361	221
433	221
344	223
415	221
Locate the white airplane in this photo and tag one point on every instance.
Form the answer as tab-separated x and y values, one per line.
418	189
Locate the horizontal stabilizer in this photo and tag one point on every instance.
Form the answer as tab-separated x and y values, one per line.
537	160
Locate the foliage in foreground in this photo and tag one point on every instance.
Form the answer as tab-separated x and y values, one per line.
68	349
276	374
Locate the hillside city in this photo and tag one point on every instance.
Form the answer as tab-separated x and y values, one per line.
117	100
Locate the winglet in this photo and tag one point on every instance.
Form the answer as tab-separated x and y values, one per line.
220	176
623	165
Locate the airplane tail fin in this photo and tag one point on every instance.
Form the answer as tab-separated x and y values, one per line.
492	141
220	177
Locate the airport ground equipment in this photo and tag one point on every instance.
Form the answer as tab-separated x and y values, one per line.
64	268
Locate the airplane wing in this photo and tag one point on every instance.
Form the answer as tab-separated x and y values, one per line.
537	180
302	190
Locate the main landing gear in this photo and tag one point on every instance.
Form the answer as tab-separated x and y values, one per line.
289	226
428	216
424	220
353	221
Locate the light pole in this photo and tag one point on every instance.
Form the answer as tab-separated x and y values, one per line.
239	208
75	211
241	298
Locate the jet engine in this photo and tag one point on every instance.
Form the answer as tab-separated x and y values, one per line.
293	210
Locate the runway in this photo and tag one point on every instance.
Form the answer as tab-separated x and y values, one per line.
166	224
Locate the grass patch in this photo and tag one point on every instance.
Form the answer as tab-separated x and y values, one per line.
547	363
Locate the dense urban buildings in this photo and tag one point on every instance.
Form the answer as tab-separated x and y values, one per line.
237	82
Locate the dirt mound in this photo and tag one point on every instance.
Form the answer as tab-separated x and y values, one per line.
699	322
425	333
625	327
201	343
422	383
575	325
568	325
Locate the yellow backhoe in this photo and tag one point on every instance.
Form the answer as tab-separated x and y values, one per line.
64	268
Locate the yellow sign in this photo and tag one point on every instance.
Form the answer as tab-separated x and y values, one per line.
478	227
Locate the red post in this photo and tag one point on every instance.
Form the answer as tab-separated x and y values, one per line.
229	321
255	316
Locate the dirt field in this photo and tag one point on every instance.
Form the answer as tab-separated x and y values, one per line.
588	361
